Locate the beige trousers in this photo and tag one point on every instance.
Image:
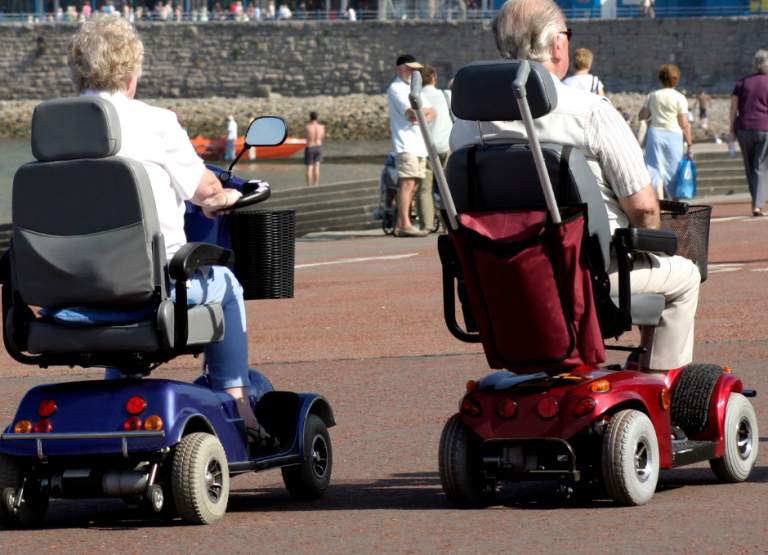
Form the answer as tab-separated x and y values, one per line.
670	344
426	200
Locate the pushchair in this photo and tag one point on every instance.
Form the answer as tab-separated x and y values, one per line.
387	209
529	264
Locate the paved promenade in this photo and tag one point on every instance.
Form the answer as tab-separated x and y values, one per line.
368	334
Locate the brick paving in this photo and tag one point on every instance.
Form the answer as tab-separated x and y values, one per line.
369	336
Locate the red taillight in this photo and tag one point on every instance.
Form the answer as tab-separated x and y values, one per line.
135	405
548	408
46	408
42	427
471	407
133	424
506	407
585	406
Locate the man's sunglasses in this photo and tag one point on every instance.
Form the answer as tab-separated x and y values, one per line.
568	33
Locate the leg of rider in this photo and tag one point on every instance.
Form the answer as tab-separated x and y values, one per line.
227	360
670	344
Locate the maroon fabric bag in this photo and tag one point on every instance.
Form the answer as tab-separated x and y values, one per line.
529	288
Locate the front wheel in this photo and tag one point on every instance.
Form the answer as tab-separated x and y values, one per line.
741	441
630	458
310	479
32	510
200	479
459	463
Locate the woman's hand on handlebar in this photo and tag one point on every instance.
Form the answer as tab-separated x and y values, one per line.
231	197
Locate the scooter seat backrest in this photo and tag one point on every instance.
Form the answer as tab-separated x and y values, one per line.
505	174
83	218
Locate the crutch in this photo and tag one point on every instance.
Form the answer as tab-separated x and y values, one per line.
518	87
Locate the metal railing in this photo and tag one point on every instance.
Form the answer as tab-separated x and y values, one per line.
444	13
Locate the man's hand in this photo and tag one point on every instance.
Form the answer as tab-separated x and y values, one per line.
429	114
231	196
642	208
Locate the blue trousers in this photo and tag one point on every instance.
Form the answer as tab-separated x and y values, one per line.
227	360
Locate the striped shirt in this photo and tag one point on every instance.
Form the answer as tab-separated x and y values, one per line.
584	121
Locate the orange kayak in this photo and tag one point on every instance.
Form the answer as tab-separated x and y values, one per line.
213	149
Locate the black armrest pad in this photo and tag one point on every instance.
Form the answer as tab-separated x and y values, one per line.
647	240
674	206
193	255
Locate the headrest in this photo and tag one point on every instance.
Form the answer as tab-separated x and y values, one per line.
70	128
482	91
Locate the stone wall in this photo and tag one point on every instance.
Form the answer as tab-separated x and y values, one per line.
227	59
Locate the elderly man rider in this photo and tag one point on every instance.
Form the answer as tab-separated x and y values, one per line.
105	58
535	30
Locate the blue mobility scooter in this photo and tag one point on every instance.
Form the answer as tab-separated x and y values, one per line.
86	234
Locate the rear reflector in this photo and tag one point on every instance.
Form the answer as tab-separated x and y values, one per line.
135	405
153	423
42	427
46	408
548	408
23	427
506	407
585	406
471	407
133	424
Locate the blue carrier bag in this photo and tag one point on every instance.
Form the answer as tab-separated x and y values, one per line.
686	179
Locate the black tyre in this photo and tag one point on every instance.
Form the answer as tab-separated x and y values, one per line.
200	479
436	225
630	458
459	461
741	441
690	399
310	479
388	222
32	511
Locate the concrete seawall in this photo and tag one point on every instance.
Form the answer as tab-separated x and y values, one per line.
229	59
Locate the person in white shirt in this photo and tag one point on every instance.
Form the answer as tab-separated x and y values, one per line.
535	30
352	14
410	150
105	59
440	128
229	148
582	79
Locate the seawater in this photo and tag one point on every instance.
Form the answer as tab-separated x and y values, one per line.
282	175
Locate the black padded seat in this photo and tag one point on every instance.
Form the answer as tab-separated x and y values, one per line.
506	174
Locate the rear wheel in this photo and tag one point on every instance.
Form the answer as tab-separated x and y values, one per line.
200	479
741	441
459	461
310	479
630	458
34	503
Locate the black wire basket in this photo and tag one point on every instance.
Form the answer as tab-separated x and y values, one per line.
692	230
264	243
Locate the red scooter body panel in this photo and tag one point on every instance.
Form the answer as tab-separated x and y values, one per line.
568	389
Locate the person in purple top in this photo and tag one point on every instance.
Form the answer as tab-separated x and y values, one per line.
749	123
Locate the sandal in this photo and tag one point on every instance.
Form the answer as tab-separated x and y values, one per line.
261	438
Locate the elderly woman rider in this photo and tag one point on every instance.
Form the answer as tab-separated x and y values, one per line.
105	58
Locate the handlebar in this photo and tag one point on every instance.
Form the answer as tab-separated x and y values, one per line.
674	206
253	192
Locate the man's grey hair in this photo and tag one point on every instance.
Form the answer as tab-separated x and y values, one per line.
760	62
525	29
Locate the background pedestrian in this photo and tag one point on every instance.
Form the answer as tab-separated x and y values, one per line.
582	78
410	150
668	129
314	133
229	148
749	121
440	127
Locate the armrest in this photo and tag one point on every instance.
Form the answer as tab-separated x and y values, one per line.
193	255
637	240
184	263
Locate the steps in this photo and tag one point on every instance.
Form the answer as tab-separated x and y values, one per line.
718	173
340	207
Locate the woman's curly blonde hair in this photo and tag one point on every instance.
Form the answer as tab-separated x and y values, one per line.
104	54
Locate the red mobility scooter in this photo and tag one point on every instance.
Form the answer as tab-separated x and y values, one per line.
527	253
